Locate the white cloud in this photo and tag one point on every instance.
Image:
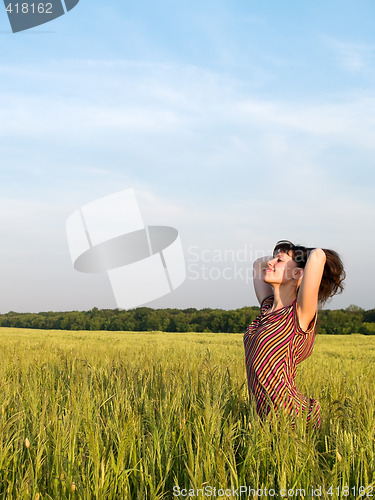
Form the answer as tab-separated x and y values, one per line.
353	57
141	100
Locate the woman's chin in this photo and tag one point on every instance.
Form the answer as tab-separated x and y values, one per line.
269	280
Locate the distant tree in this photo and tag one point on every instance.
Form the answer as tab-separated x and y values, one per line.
353	319
369	316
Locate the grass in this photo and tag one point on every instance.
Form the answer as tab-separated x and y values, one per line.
121	415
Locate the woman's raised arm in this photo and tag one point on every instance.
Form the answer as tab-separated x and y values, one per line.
307	297
262	289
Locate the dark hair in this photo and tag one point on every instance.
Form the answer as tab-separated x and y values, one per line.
333	274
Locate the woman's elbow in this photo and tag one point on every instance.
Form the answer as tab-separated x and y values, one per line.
318	254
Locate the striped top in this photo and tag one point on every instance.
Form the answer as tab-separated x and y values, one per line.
274	345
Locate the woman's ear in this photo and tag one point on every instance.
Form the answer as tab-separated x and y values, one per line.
298	274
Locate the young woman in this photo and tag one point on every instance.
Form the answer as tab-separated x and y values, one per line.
289	286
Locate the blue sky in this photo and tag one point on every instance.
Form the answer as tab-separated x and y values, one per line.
238	122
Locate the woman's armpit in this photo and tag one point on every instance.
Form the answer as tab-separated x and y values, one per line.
298	327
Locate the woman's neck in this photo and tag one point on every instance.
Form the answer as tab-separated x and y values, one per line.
282	297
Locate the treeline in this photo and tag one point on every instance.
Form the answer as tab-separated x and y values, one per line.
353	319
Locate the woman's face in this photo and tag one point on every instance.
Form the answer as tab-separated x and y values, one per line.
281	269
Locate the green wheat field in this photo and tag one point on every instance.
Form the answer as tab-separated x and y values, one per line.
122	415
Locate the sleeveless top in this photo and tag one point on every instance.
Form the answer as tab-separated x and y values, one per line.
274	345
